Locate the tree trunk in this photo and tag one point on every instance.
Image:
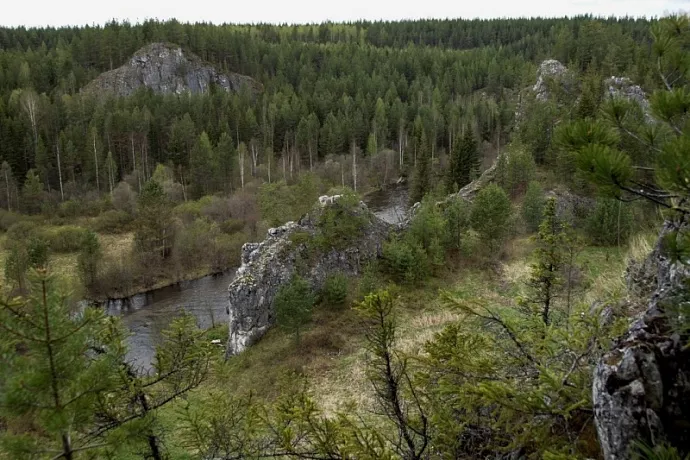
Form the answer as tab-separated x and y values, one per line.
62	193
7	186
354	166
95	159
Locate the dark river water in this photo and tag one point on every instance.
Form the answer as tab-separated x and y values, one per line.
147	315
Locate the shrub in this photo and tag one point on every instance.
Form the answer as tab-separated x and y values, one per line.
124	198
516	170
231	226
300	237
533	206
192	248
610	223
22	230
89	259
216	209
188	212
8	218
334	292
68	238
227	251
429	230
405	261
112	221
293	305
457	216
340	223
490	214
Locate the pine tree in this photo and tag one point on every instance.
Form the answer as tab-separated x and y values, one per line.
56	380
464	163
32	192
533	206
293	304
421	184
154	225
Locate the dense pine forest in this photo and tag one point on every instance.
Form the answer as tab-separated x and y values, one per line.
540	158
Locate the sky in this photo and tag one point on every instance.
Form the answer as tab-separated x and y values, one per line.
81	12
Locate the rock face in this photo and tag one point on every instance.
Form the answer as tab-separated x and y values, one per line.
166	68
550	69
268	265
624	88
642	386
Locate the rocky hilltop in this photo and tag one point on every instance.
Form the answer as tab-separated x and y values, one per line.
288	250
165	68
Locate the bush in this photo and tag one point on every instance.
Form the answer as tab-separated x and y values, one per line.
490	214
231	226
22	230
68	238
429	229
293	305
192	248
112	221
610	223
89	259
7	219
124	198
216	209
188	212
533	206
340	223
334	292
405	261
516	169
457	216
227	251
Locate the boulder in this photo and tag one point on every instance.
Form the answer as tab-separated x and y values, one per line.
289	250
641	387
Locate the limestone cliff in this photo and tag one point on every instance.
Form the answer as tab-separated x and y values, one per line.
641	388
288	250
165	68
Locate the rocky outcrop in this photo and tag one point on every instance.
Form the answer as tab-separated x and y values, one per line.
289	250
549	70
165	68
642	386
623	87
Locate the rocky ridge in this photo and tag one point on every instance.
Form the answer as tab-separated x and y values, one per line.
166	69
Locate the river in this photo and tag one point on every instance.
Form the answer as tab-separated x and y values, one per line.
147	315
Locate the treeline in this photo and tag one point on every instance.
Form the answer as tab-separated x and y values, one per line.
330	89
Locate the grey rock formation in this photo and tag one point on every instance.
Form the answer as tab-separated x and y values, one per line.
641	389
549	69
166	68
623	87
268	265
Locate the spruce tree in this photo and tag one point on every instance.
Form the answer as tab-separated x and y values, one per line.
546	278
421	184
464	162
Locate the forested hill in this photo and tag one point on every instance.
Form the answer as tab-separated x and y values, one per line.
328	88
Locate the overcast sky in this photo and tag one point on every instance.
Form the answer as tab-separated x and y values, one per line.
80	12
